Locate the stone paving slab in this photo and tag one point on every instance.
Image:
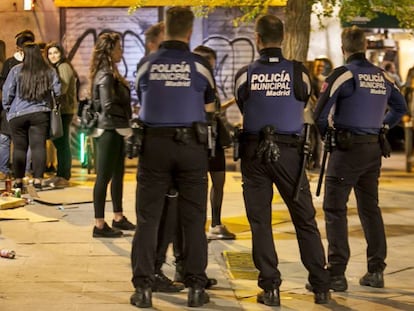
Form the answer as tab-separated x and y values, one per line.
59	266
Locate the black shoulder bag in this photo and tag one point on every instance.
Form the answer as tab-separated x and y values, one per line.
56	127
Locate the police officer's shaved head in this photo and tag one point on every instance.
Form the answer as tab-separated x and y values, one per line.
178	22
353	40
270	29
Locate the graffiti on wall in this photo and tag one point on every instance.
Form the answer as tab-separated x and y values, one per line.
84	25
232	54
133	49
234	46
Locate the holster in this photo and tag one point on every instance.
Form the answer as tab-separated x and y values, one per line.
182	135
211	140
236	143
384	143
201	132
267	150
344	139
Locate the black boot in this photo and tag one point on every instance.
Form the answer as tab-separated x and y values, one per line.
142	298
374	279
338	283
269	297
197	297
322	298
163	284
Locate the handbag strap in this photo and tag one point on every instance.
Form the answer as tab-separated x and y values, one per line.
54	104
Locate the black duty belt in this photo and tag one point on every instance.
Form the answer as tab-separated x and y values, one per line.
278	138
167	131
363	139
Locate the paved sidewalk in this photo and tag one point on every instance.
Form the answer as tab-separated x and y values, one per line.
59	266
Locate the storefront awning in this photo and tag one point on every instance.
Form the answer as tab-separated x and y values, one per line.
128	3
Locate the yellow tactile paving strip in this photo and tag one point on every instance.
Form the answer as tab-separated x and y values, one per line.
240	265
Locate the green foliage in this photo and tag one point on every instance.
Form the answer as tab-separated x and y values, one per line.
138	4
249	9
403	10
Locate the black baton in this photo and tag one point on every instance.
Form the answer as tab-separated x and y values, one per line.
322	172
329	143
306	152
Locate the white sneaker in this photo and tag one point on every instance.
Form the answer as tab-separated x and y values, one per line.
220	232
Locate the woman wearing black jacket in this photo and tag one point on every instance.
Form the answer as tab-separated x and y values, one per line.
111	98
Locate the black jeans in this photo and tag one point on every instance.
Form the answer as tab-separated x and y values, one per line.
62	144
30	130
110	167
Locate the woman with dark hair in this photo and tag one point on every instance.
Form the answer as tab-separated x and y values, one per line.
68	104
26	97
111	99
216	164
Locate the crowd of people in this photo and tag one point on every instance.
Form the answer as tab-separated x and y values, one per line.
175	135
34	162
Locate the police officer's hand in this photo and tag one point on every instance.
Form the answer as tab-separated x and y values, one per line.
132	147
133	142
385	145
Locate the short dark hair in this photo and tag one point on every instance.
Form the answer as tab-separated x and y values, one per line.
26	32
23	39
388	66
179	20
270	29
353	40
206	52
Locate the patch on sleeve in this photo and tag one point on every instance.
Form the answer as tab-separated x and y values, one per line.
324	87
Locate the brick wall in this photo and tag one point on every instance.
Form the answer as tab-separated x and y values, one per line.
43	21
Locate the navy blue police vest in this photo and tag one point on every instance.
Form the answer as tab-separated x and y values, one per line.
172	88
365	108
271	99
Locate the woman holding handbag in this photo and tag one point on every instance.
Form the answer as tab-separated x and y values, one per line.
26	99
111	99
67	102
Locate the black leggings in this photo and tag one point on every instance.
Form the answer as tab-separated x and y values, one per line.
62	144
110	166
216	196
29	130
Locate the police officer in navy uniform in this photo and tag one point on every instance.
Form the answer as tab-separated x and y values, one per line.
271	94
175	88
353	102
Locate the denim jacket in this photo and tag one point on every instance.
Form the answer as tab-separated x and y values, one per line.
15	105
